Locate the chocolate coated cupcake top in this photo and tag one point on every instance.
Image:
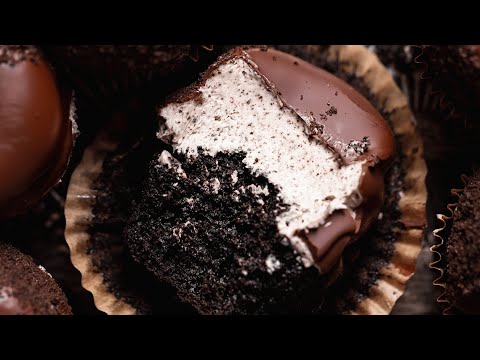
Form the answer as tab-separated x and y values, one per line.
35	130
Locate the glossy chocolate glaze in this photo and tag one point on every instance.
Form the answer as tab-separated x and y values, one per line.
338	115
9	304
35	131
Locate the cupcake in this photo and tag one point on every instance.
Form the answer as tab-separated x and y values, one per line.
26	288
35	128
108	74
454	72
457	251
228	210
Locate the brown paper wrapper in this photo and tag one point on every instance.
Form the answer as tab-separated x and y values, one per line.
394	261
78	212
439	249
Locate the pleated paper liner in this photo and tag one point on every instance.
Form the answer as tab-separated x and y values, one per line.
377	266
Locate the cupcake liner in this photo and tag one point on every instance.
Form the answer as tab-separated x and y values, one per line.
79	203
387	263
438	249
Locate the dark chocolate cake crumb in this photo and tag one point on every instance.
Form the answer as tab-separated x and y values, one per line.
220	248
332	111
359	146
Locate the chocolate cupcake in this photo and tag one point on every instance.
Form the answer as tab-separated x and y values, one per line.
454	72
249	163
35	128
26	288
236	200
458	249
107	74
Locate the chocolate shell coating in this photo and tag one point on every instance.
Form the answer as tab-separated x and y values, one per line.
35	131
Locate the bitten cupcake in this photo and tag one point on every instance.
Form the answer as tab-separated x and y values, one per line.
274	187
26	288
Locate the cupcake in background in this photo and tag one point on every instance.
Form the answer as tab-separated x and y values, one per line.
36	128
26	288
458	250
454	72
109	75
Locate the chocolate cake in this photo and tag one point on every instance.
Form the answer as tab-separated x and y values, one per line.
35	129
462	270
27	289
272	168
